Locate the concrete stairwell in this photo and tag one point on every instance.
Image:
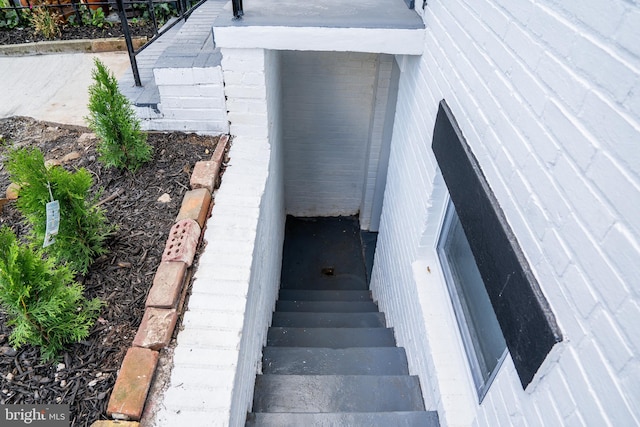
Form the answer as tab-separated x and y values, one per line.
330	360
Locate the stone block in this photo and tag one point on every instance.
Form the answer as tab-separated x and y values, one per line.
182	242
116	44
167	284
12	191
132	385
156	328
195	205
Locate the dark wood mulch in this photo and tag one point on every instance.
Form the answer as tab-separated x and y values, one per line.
26	35
86	371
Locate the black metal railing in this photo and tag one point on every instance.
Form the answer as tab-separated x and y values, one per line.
184	7
85	12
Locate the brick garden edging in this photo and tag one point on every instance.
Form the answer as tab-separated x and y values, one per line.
136	373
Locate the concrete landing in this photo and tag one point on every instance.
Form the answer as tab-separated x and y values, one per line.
377	26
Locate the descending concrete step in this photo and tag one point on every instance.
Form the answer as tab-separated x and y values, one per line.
330	337
329	361
301	295
327	306
337	393
329	320
351	419
343	282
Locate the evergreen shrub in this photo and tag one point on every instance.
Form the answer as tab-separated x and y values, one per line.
83	228
45	307
122	143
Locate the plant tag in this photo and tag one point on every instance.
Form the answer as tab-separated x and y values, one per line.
53	223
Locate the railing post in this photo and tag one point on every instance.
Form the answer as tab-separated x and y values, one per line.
152	13
127	37
237	9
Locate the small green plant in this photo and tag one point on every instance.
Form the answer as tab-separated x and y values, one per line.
162	12
9	17
46	22
44	305
122	143
97	18
88	17
82	229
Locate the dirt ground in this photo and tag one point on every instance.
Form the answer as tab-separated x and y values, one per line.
86	371
26	35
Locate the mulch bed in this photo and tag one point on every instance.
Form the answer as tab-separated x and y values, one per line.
26	35
85	373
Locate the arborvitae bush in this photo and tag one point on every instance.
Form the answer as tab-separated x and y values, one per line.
83	227
44	305
111	117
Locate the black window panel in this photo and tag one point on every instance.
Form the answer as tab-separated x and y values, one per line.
526	320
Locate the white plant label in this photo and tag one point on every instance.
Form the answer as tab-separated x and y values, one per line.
53	223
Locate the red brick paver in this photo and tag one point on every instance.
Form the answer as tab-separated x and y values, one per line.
132	385
182	242
167	284
205	173
156	328
195	205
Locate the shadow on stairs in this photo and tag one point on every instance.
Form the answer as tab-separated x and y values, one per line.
330	360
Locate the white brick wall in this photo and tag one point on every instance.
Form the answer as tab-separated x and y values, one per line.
267	259
546	96
380	130
327	106
191	99
238	275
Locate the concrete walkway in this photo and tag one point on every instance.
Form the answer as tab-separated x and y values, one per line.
52	87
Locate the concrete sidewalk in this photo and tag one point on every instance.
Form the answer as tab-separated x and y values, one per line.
52	87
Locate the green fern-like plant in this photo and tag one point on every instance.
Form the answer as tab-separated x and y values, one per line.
45	307
83	228
122	144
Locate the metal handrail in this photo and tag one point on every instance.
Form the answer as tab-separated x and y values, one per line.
184	9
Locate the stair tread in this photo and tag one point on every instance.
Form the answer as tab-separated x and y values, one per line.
326	306
330	337
351	419
337	393
319	295
328	361
343	282
328	320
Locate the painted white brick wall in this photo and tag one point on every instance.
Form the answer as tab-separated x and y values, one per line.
327	106
546	95
379	141
191	99
267	259
238	275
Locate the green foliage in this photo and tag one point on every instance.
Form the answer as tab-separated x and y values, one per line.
89	17
97	18
111	117
45	306
83	228
46	22
9	18
162	11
